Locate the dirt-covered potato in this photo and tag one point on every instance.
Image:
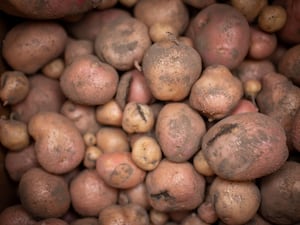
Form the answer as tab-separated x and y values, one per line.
44	95
58	144
221	35
174	186
90	194
179	130
43	194
170	69
77	47
132	214
89	81
280	194
216	92
118	170
234	202
28	46
122	43
245	146
250	9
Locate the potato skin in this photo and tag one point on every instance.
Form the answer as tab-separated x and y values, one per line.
245	146
179	130
280	195
30	45
89	81
221	35
59	145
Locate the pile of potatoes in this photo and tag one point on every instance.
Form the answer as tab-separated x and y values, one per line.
151	112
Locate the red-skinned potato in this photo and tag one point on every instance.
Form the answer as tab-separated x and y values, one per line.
245	146
47	10
118	170
221	35
59	145
89	81
16	215
28	46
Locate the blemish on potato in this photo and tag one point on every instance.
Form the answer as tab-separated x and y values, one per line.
121	173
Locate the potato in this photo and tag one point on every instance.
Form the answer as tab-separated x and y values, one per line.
245	146
170	69
14	87
250	9
91	156
157	217
52	221
295	132
106	4
244	106
199	4
221	35
206	211
75	48
174	186
262	44
44	95
279	99
14	135
280	195
83	116
85	221
89	81
192	219
28	46
289	64
216	92
17	163
110	113
173	12
59	145
235	202
43	194
257	220
93	21
90	194
46	10
272	18
179	130
200	164
16	215
54	68
132	214
122	43
118	170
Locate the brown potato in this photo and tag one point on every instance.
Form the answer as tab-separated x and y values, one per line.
235	202
162	31
59	145
14	87
207	212
16	215
158	217
123	43
179	130
17	163
54	68
90	194
221	35
272	18
132	214
173	12
241	147
201	165
216	92
44	195
174	186
280	195
112	139
118	170
75	48
289	64
91	156
109	113
89	81
28	46
14	134
170	69
44	95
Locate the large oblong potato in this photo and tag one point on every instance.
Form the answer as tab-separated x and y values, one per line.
31	44
59	145
245	146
